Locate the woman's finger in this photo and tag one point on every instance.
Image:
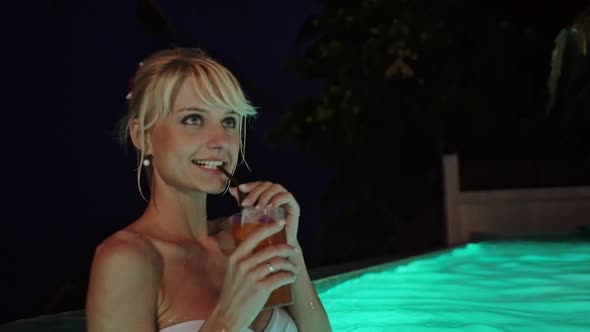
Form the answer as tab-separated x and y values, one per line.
270	252
272	266
287	200
254	191
278	279
246	187
252	262
268	195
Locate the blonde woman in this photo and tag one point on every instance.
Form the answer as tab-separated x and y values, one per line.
171	270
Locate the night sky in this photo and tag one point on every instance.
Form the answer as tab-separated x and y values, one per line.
67	183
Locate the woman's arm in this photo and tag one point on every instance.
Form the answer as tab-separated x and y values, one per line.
307	311
123	289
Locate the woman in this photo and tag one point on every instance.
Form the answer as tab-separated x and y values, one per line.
171	269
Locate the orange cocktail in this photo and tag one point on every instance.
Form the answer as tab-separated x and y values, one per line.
251	220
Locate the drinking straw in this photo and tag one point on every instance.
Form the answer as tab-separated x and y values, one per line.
235	182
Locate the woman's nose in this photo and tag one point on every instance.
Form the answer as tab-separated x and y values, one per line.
217	137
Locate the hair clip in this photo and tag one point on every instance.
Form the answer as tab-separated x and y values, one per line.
130	83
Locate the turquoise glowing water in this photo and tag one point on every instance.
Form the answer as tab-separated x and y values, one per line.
491	286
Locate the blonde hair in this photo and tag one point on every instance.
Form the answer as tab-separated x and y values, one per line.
156	83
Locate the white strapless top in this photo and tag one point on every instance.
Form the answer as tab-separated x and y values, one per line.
280	321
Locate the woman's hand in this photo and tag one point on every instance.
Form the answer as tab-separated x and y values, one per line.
248	279
264	194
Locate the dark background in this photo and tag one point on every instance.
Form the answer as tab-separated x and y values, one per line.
68	184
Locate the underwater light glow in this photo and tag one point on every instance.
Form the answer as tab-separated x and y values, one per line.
489	286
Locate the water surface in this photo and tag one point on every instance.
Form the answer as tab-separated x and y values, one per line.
483	287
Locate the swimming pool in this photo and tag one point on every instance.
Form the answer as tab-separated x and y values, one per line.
532	285
524	285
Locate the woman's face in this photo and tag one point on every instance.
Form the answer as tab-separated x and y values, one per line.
189	144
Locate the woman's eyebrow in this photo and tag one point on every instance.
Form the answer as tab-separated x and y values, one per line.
201	110
191	109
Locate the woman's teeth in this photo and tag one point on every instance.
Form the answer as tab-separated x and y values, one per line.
210	164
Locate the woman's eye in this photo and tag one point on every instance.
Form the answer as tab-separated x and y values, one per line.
193	119
230	122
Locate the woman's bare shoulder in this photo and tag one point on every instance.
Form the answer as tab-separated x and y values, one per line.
128	250
126	273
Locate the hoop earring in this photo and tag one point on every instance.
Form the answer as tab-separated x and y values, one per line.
227	185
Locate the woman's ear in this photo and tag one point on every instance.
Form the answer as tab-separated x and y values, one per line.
139	137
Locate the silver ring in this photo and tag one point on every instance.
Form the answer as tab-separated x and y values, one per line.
271	268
